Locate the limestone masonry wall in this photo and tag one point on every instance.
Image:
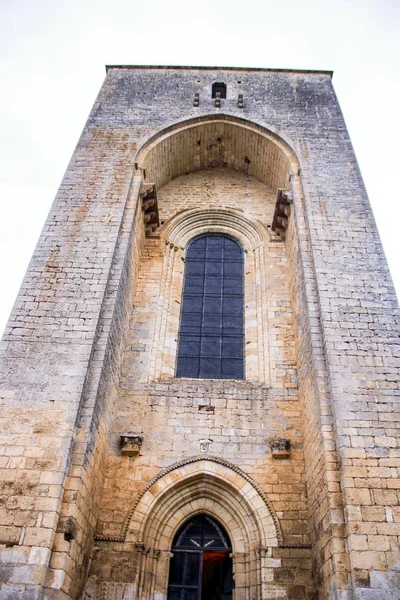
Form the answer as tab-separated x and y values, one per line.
90	349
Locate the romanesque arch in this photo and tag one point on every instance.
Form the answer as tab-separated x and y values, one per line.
253	237
202	143
211	140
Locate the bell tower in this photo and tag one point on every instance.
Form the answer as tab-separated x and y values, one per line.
199	377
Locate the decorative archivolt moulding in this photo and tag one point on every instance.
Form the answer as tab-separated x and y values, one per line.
168	485
254	237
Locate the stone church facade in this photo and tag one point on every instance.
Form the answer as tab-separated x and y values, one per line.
199	378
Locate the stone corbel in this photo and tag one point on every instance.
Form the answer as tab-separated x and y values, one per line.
148	196
283	204
141	548
67	526
280	448
263	552
131	444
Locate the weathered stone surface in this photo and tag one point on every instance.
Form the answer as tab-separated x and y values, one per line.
89	353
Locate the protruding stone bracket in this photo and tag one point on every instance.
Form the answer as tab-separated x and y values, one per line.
67	526
131	444
141	548
205	444
240	101
283	204
140	171
218	100
280	448
151	217
196	101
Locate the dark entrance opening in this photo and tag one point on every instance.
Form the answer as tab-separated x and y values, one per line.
201	568
218	87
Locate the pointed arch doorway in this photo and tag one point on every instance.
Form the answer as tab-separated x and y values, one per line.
213	487
201	567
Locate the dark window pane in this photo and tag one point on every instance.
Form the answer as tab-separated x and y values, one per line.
232	249
176	569
233	286
188	367
209	330
214	241
232	324
213	286
202	529
232	347
233	269
195	268
198	248
215	248
232	369
190	595
189	330
210	368
233	305
174	594
214	268
194	285
192	304
192	569
191	323
212	321
210	346
212	305
189	347
190	316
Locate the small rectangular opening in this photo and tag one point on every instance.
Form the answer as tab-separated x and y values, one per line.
218	87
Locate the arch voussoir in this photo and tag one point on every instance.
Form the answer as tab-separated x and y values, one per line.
190	223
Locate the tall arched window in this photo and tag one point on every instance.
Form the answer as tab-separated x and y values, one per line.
211	331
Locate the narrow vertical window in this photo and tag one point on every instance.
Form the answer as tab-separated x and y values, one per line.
220	87
211	331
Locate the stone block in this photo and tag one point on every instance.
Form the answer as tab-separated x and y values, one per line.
9	535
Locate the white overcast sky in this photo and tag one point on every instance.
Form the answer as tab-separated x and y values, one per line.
53	54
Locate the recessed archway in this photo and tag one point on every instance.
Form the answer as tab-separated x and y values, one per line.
194	145
253	237
215	141
206	486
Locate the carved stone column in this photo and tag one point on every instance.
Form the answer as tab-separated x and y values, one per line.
263	346
150	570
140	573
162	574
162	360
240	562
